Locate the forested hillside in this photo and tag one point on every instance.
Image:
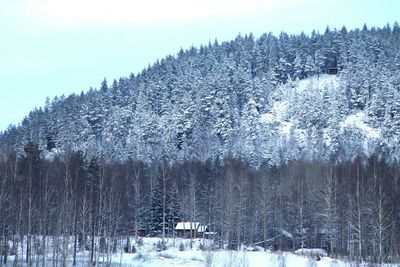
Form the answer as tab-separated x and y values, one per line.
212	101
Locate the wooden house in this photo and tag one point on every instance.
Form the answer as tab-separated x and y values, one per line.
187	229
193	230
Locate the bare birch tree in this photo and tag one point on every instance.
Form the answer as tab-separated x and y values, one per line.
328	208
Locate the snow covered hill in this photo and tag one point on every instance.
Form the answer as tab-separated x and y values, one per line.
263	100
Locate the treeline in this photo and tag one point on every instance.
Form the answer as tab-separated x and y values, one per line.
348	208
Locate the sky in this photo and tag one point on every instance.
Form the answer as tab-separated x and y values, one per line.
51	48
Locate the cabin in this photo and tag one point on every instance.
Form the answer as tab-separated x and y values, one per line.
332	71
204	232
193	230
187	229
138	233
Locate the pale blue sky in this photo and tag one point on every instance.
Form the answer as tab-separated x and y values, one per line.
50	47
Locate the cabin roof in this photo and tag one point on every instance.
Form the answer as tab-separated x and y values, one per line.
187	226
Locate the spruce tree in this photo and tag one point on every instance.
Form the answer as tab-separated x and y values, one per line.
174	213
156	219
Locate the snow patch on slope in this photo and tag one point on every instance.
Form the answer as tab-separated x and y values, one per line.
285	127
279	111
359	120
317	82
266	118
304	116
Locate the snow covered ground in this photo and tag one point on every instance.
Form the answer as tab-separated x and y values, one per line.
194	253
196	258
147	256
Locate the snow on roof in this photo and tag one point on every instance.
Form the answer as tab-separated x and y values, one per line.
187	225
202	228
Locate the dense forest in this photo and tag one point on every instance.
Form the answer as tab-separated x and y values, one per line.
349	208
211	102
286	142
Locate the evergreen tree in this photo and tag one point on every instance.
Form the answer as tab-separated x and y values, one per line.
104	87
156	220
298	67
173	208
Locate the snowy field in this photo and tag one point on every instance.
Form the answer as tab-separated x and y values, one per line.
196	253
